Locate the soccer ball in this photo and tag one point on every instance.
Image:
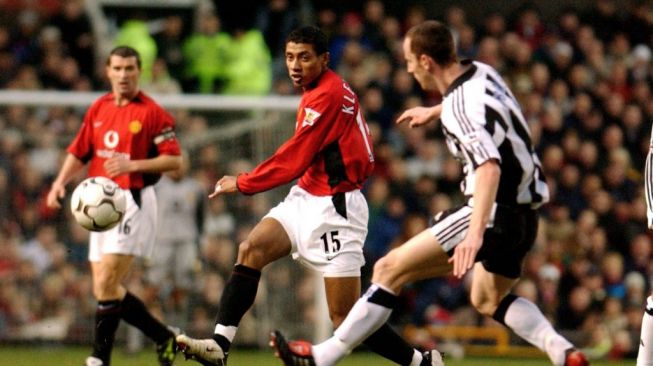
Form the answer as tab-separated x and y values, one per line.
98	204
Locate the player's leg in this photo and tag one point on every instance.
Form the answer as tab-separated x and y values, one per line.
136	237
419	258
490	296
645	353
341	294
106	275
267	242
504	246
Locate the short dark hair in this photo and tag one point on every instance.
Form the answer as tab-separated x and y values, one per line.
434	39
125	51
310	35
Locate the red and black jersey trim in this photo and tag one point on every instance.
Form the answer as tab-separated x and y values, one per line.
334	166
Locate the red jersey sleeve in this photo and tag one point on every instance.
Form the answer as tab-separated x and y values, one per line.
315	119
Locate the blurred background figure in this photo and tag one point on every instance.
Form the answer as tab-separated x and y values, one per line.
175	262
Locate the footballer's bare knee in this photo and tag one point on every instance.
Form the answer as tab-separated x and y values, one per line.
107	285
484	305
388	272
253	255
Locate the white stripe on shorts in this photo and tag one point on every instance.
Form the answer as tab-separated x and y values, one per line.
452	228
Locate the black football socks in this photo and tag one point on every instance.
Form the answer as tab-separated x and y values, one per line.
107	318
238	296
135	313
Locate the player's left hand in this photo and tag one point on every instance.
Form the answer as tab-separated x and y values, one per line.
117	166
226	184
464	256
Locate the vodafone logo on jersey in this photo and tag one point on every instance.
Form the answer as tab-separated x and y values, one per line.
111	139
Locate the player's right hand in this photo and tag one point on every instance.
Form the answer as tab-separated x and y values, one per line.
226	184
464	255
57	192
418	116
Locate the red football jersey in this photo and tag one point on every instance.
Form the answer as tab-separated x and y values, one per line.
331	150
138	130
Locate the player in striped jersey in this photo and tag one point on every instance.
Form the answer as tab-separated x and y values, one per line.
645	353
492	232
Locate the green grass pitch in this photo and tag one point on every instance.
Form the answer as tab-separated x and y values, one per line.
74	356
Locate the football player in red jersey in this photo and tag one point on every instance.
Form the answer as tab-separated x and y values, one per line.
492	232
127	137
322	222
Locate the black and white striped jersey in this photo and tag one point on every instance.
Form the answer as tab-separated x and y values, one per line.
648	183
482	120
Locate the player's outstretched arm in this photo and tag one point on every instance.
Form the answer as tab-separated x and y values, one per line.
419	116
71	165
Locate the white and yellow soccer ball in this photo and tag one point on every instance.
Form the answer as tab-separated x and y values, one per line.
98	204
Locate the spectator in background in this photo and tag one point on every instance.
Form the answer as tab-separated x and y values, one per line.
24	38
604	19
276	19
530	27
40	250
135	33
205	52
180	219
76	35
351	30
249	67
385	228
638	23
639	258
494	25
219	221
169	44
161	82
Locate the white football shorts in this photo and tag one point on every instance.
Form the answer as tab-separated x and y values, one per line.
321	238
134	235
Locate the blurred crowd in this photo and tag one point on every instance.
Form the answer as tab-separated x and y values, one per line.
584	79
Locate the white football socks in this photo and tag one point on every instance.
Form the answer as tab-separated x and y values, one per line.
364	318
526	319
417	358
228	332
